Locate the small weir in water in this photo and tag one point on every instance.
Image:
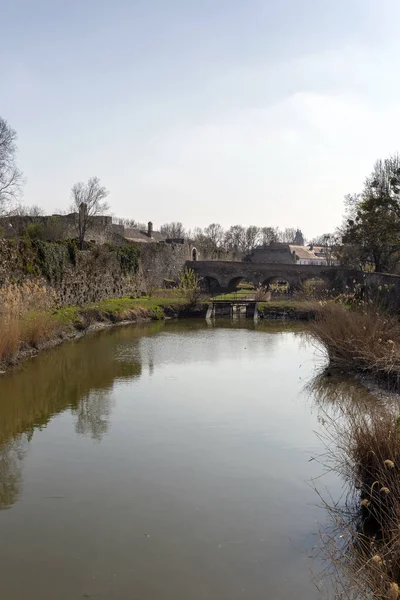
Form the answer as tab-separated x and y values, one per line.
233	308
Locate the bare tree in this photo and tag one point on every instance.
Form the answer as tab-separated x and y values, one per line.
252	238
235	238
173	231
269	235
287	236
215	233
10	176
129	223
210	239
89	200
28	211
331	247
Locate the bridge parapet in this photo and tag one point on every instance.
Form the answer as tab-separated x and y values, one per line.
226	273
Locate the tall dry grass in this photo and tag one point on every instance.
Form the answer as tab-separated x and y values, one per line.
362	544
262	294
363	340
25	317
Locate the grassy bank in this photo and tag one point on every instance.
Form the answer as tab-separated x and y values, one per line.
297	310
30	322
360	340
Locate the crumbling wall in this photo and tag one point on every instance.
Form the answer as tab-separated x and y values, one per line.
78	277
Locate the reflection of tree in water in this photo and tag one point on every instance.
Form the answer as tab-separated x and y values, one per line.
93	414
78	376
12	454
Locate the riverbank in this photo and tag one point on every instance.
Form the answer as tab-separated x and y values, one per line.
361	341
293	310
28	331
24	336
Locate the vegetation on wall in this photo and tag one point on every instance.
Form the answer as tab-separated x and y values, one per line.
51	259
128	257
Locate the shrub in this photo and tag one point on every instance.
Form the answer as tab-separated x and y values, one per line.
189	286
262	294
35	231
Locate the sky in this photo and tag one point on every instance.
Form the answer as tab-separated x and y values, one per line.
264	112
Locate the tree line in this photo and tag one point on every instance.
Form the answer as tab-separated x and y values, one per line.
93	195
236	238
369	237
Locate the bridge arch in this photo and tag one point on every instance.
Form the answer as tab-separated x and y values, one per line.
209	283
235	281
316	286
279	284
227	272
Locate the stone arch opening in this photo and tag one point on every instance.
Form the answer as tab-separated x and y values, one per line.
194	254
240	284
316	287
208	283
278	286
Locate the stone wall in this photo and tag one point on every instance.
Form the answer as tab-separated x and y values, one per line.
162	261
106	271
77	277
207	253
62	227
274	254
227	274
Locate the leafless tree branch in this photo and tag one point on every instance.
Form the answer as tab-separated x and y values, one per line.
10	176
89	199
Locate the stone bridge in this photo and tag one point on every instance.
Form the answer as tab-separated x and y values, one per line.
225	274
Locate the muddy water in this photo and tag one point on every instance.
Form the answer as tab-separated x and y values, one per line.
161	462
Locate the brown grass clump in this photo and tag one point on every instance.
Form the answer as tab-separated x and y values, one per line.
25	317
363	547
262	294
365	340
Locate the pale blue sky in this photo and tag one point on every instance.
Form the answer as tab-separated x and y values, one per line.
235	111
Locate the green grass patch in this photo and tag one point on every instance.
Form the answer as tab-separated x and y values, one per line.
289	308
245	285
237	295
120	309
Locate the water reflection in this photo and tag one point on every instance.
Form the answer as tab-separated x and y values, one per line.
62	378
167	461
77	376
93	414
334	393
12	454
80	376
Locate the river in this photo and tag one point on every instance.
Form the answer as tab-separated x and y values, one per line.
165	461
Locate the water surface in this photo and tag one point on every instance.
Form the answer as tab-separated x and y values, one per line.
169	461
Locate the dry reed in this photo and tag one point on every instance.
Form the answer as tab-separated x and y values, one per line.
262	294
363	340
25	317
362	545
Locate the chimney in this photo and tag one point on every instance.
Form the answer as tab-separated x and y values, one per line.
150	229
